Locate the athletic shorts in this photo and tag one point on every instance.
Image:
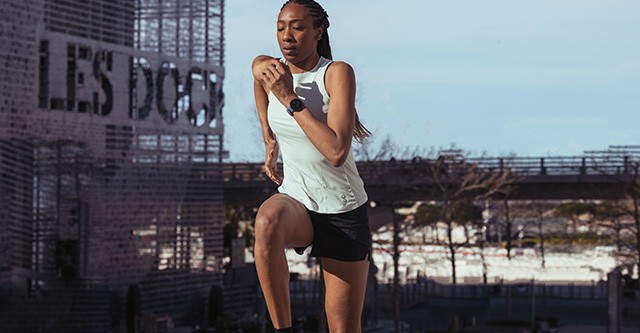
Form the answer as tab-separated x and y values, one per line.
341	236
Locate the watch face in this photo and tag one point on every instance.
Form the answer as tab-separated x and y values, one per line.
296	104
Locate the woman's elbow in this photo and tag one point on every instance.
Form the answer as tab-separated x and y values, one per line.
338	159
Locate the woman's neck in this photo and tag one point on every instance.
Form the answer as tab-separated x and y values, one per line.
304	65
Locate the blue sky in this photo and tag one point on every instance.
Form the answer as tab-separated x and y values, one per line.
533	78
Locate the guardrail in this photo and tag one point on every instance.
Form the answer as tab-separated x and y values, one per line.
519	166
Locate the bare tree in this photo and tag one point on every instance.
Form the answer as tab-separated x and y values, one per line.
621	164
454	213
376	149
633	193
371	150
610	215
540	215
458	183
632	210
386	160
481	239
505	187
538	211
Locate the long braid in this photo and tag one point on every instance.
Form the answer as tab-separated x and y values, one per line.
321	19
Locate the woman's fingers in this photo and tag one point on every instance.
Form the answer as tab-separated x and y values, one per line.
272	174
275	71
269	75
278	66
276	179
277	77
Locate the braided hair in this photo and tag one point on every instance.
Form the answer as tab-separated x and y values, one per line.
321	19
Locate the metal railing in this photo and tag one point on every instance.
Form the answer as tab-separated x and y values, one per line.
615	165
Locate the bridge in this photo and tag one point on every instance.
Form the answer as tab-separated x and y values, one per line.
604	176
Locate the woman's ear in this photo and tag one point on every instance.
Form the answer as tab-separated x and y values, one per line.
320	32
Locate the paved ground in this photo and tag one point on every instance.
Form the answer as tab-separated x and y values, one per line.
593	329
572	316
564	329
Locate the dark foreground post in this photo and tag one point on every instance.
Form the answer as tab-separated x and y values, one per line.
613	302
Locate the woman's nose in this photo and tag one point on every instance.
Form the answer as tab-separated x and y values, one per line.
286	35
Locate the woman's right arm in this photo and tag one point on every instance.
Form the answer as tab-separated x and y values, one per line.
270	143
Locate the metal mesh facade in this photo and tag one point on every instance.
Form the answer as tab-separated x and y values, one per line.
107	21
111	131
161	27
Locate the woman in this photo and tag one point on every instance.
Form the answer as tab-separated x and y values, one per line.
307	101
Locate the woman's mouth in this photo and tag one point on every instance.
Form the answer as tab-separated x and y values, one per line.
289	49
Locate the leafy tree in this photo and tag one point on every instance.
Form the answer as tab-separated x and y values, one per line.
233	216
572	211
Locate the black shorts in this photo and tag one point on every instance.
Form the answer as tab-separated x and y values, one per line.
341	236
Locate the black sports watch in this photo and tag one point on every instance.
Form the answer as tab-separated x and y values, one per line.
295	105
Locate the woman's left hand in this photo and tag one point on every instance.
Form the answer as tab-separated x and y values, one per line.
278	79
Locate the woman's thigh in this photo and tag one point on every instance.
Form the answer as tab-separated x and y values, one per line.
345	283
283	216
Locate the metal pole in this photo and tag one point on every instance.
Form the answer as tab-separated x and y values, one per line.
396	274
508	302
533	301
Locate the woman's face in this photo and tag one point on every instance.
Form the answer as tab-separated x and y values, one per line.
297	37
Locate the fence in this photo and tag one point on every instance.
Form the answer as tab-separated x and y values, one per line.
611	165
305	294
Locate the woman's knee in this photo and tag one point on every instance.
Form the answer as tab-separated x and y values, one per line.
268	226
281	221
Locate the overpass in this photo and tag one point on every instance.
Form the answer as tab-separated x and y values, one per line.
534	178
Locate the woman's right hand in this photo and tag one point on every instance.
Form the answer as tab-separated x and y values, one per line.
271	162
260	64
274	76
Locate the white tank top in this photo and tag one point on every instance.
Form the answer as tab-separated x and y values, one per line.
308	176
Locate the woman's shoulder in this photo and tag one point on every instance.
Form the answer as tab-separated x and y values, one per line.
339	69
261	61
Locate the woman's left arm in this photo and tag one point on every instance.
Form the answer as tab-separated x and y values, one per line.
332	140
